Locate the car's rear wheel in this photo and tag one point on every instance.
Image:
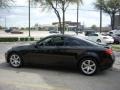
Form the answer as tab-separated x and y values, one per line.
88	66
15	60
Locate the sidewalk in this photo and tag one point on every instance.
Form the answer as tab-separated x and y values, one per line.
116	65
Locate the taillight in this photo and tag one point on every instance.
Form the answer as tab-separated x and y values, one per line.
109	51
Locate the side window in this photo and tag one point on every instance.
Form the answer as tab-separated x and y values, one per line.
110	32
74	42
58	41
93	34
46	42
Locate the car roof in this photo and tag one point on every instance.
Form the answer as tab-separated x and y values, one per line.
69	36
61	35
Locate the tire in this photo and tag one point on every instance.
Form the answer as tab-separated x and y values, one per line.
118	42
88	66
99	41
15	60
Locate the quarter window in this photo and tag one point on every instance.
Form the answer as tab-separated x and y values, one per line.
46	42
74	42
58	41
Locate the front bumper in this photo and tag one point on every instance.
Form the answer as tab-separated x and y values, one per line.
6	57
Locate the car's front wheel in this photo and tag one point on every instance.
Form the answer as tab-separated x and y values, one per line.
15	60
88	66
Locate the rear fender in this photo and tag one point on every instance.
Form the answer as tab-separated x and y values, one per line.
89	55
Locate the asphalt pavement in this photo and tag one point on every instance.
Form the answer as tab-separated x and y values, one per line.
54	78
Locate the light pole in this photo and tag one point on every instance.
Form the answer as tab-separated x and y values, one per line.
101	20
119	17
101	16
63	10
77	18
29	15
5	22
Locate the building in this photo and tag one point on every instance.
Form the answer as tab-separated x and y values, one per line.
45	27
70	26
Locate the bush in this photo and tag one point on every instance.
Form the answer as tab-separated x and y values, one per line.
27	39
14	39
32	39
8	39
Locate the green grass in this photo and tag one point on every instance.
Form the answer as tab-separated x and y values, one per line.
116	47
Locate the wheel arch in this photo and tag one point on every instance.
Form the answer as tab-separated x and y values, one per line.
12	53
89	55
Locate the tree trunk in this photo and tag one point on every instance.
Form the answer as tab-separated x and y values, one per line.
113	21
60	24
119	19
63	11
63	22
58	16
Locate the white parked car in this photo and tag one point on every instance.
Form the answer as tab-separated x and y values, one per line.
98	37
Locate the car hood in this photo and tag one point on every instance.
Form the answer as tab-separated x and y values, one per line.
21	47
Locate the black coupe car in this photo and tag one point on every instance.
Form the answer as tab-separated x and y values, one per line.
87	56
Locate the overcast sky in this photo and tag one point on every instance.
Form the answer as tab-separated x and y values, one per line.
18	16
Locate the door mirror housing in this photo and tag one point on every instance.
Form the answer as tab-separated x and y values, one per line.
39	45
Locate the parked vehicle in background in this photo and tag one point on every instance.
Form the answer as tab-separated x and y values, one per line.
63	50
53	31
116	38
89	32
8	30
16	32
98	37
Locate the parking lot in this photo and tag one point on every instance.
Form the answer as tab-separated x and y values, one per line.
52	78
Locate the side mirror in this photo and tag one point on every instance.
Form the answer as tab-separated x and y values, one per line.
38	45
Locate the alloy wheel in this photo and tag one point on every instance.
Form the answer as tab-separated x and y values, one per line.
88	67
15	60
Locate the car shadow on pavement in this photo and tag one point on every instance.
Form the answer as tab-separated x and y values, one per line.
59	69
57	78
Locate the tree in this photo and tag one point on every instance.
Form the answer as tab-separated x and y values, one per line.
110	7
94	27
58	5
5	3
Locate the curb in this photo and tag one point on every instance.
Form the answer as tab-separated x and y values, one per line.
115	69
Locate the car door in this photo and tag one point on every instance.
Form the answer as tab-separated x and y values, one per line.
44	52
72	50
68	54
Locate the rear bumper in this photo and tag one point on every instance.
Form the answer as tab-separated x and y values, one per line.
109	40
106	66
107	63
